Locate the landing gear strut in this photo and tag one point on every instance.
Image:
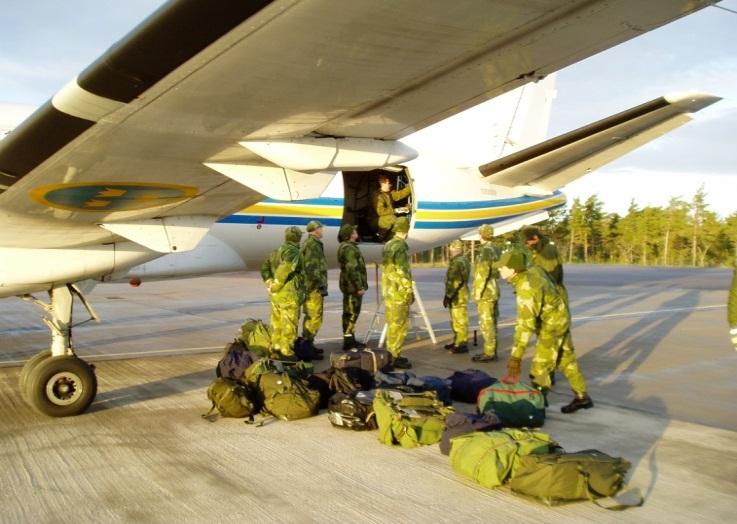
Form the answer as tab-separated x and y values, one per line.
56	382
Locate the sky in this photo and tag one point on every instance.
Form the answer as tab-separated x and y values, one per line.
46	43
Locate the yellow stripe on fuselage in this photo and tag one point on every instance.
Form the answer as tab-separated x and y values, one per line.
487	212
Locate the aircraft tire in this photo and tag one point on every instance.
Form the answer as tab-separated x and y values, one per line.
61	386
26	371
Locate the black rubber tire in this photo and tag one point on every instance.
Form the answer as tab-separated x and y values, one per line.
61	386
26	371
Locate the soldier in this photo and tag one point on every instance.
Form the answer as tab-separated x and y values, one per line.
396	284
545	255
456	297
486	293
541	310
283	273
732	308
383	202
316	284
353	283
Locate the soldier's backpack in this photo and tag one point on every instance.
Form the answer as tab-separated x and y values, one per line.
518	405
283	390
236	359
371	360
345	380
489	457
411	383
409	419
585	475
257	336
466	385
457	424
232	398
353	410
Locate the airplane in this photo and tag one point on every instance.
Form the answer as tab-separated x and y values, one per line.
211	126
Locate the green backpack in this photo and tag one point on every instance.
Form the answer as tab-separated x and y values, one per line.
257	337
409	419
231	398
585	475
490	457
283	390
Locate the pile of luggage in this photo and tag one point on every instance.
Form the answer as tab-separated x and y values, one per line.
498	445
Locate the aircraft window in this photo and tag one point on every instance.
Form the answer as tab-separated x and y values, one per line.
370	212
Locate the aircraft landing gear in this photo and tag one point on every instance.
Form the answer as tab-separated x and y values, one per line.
56	382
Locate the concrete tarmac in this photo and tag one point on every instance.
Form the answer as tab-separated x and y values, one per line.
651	342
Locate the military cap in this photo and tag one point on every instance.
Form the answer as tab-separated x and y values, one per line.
345	231
527	232
486	232
456	245
312	225
513	259
401	225
293	234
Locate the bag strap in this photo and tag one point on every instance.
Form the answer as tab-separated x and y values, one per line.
208	416
612	503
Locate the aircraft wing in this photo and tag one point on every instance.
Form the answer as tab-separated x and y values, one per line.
550	165
145	143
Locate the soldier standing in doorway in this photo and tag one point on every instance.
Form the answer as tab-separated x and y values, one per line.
383	201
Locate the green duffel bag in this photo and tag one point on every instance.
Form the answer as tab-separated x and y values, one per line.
256	336
231	398
567	477
490	457
409	419
287	397
517	405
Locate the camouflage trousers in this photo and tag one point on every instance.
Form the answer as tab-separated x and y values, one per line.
284	320
351	310
312	309
488	311
459	324
556	352
397	321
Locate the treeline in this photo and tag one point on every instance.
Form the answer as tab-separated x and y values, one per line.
683	233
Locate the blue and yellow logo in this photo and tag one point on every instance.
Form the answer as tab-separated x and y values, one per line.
116	196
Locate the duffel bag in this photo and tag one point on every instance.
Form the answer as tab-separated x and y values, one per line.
371	360
466	385
283	390
518	405
586	475
409	419
257	336
231	398
457	424
408	381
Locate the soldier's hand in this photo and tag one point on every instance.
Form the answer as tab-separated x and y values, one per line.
733	335
361	292
446	301
514	368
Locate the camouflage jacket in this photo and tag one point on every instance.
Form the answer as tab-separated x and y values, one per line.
485	284
732	301
352	268
384	201
396	277
316	266
540	308
546	256
284	268
456	280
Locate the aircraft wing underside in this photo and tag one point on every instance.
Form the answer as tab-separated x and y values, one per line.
550	165
126	143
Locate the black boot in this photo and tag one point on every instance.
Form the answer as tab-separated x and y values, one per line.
449	346
457	350
347	342
401	363
577	403
357	344
316	350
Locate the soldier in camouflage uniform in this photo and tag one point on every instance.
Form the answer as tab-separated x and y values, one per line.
456	296
316	283
353	283
486	293
542	311
732	308
396	284
383	201
283	274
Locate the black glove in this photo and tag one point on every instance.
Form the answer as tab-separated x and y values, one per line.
446	301
324	291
